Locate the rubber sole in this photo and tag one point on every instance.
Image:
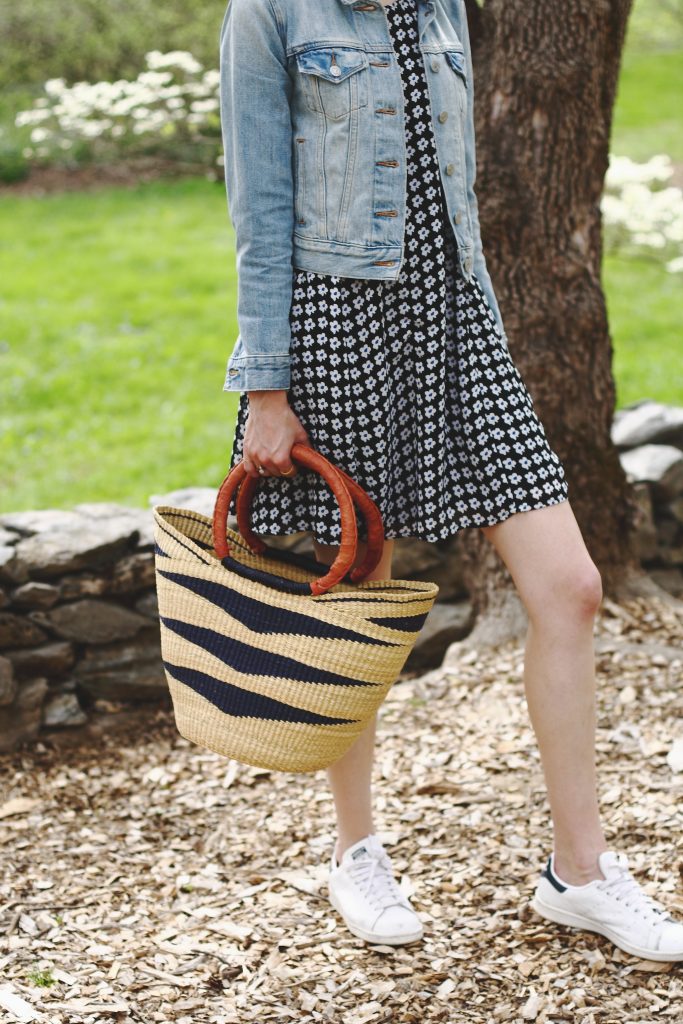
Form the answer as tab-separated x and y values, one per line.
379	940
578	921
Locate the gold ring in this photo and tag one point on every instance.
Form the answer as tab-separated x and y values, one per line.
289	472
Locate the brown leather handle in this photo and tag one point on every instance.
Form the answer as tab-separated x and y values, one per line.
374	524
344	489
371	514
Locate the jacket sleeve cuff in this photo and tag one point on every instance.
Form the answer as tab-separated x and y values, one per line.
255	375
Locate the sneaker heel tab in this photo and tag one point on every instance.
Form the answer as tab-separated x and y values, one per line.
552	877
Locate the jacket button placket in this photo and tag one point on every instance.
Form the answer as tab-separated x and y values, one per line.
390	162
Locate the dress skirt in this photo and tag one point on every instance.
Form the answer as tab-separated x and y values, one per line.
408	385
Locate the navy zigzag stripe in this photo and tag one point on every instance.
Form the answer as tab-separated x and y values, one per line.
253	661
243	703
408	623
182	545
265	618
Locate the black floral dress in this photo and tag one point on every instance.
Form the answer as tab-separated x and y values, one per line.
408	385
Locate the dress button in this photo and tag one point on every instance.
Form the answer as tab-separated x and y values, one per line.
450	168
443	116
435	65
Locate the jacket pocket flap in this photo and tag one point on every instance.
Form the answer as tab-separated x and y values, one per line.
333	63
456	59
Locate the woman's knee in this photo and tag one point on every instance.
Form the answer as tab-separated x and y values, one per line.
587	588
575	589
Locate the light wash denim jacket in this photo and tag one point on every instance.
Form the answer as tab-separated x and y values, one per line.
315	161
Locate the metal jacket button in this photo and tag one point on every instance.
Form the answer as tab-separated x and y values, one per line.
335	70
458	217
468	264
233	372
450	168
435	65
443	116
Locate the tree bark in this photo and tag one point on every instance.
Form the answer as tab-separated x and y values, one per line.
545	82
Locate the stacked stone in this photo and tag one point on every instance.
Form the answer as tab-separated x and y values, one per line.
649	436
78	615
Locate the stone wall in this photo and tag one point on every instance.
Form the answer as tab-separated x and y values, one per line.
79	629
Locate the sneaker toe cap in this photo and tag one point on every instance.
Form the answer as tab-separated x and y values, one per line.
672	938
397	921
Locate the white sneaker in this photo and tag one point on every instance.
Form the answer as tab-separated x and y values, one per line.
615	906
364	891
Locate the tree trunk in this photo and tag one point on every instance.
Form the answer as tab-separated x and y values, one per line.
545	81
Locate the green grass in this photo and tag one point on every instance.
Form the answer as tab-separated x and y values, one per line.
647	117
117	316
645	309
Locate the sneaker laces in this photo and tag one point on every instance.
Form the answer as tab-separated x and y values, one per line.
374	877
624	887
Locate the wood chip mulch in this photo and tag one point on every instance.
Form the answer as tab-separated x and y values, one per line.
145	879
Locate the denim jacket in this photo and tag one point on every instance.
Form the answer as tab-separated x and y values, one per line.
312	116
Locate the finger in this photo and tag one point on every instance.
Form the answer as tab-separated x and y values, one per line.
286	466
251	468
271	467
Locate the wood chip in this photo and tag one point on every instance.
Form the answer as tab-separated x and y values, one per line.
148	881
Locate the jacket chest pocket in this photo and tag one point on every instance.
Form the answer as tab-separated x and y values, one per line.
455	60
334	80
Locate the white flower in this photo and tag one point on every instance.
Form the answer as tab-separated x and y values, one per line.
622	170
155	77
92	128
39	135
24	117
204	106
54	86
675	266
636	207
175	58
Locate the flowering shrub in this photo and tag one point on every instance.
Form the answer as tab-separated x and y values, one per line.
640	212
172	107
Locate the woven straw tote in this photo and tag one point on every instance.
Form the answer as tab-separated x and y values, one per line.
273	658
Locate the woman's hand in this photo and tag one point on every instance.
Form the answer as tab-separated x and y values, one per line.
272	428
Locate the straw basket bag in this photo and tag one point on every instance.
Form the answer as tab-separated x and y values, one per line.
273	658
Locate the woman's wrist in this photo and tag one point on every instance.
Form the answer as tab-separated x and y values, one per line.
267	395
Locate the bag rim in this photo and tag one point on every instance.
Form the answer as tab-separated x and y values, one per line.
402	590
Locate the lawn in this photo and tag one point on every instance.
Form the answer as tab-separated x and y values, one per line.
118	314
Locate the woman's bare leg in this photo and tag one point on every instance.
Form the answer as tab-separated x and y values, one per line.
350	777
561	589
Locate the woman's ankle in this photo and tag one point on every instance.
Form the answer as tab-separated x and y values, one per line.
346	839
